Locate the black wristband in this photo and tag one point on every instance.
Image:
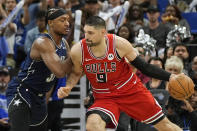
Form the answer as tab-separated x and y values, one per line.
150	70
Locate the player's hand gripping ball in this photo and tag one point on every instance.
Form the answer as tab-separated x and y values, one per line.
181	87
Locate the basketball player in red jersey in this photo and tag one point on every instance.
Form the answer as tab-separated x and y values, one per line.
101	57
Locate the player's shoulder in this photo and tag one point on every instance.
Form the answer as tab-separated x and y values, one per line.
76	49
121	42
120	39
42	40
43	43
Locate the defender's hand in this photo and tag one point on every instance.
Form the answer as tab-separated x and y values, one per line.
187	106
63	92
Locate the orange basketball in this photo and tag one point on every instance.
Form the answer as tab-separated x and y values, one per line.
181	87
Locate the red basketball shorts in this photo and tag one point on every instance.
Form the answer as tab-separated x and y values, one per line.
137	102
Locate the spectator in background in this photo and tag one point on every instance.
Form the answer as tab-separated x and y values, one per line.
135	17
10	32
21	20
174	65
126	32
144	3
190	106
155	29
3	45
36	31
182	52
112	21
61	3
33	9
76	5
4	79
168	52
64	4
184	113
155	83
91	8
172	16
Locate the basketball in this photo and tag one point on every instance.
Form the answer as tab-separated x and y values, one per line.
181	87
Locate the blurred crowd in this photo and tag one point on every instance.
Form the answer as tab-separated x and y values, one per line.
161	37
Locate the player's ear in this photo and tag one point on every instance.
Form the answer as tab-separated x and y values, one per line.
104	31
50	22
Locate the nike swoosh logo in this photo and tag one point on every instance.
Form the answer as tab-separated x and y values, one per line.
135	81
88	59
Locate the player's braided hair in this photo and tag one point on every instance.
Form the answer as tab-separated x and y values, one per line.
53	13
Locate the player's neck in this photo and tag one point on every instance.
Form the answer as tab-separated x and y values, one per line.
56	38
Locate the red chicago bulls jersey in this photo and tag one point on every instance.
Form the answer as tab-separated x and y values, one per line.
109	75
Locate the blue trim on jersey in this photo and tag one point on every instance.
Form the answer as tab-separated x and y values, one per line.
61	82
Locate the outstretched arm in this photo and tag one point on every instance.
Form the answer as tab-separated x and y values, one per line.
125	49
75	74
